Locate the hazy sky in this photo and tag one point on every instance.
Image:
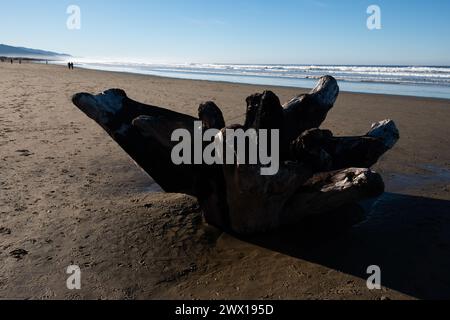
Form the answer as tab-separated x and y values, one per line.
235	31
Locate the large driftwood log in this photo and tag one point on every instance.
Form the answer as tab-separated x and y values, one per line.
317	173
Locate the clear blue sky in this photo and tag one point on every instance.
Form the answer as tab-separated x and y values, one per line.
236	31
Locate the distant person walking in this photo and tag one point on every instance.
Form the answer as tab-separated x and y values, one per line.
12	61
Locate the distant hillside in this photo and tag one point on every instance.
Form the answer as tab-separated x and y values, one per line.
10	51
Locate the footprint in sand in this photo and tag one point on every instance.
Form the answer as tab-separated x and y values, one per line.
19	254
24	153
5	231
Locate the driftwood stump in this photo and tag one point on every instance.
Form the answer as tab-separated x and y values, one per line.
319	172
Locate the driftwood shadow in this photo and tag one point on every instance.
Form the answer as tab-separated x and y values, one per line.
407	237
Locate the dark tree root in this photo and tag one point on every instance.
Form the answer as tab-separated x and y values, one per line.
319	173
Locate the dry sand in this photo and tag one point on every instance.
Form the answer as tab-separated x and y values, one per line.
70	195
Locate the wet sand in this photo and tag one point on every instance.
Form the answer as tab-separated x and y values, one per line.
69	195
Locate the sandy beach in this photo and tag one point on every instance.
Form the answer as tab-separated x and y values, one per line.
69	195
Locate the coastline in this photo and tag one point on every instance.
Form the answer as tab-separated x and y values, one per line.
69	194
366	84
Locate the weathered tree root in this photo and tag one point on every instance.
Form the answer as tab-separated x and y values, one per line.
319	173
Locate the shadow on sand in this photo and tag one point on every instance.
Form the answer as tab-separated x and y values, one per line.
407	237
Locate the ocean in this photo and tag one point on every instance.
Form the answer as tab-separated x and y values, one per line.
420	81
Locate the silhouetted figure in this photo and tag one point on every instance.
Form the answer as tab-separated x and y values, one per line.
12	61
68	65
20	61
72	65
